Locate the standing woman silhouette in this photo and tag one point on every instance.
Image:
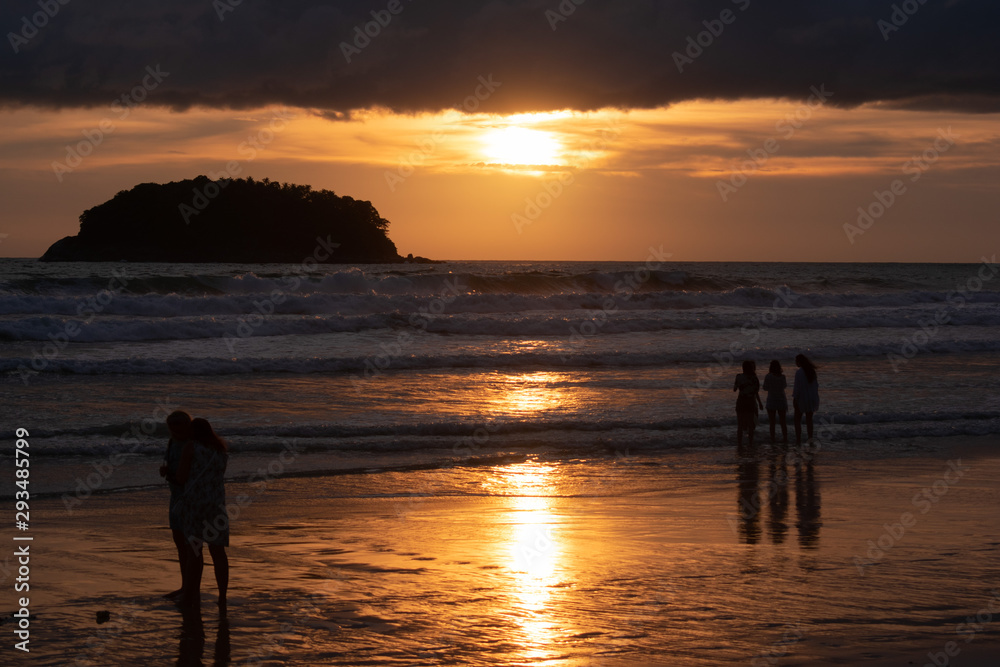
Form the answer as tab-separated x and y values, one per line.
747	402
179	426
201	510
777	404
805	396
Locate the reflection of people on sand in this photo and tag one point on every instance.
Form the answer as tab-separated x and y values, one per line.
223	649
191	647
807	501
777	404
805	396
777	479
179	426
747	402
201	510
748	501
753	496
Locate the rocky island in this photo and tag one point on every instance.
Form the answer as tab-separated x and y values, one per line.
228	220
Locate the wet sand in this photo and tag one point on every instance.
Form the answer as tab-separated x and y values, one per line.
708	560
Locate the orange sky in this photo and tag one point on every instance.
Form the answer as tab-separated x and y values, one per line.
610	183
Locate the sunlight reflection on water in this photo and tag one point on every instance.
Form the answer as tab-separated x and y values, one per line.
523	394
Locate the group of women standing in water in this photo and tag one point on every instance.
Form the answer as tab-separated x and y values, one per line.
805	399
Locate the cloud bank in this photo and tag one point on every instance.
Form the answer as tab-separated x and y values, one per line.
418	55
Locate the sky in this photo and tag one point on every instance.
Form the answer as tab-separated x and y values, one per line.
527	129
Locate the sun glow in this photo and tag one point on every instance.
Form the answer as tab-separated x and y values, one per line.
521	146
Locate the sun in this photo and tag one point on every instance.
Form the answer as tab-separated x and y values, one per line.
521	146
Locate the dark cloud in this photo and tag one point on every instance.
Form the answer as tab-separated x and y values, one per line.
433	54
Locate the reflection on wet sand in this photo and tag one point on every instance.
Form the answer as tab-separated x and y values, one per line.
750	503
807	503
223	649
191	647
777	479
533	555
192	638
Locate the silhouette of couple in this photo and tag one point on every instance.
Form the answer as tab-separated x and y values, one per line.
195	468
805	399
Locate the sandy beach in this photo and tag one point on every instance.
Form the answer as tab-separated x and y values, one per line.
825	558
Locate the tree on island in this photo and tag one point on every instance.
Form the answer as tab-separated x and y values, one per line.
229	220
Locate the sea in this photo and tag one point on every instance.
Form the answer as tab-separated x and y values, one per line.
510	463
415	366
